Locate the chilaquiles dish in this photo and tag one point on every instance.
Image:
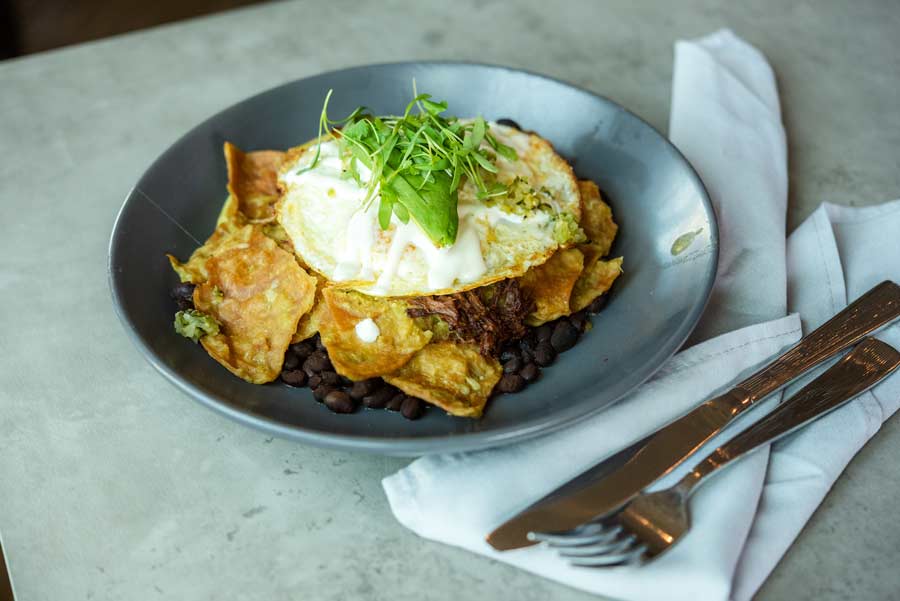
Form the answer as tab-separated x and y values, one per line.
395	261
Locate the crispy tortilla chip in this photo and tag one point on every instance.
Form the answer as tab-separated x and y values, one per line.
228	231
184	270
596	279
592	253
596	218
230	215
453	376
257	292
398	340
550	285
276	232
226	235
253	181
309	323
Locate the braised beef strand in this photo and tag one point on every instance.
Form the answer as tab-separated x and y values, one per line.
487	317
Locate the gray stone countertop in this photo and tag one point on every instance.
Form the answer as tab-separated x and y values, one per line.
114	485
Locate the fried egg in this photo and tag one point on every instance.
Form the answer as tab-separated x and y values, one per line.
337	234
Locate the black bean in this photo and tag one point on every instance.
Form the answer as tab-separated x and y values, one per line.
509	353
316	362
330	378
339	402
302	350
543	332
412	408
319	345
293	377
598	303
183	290
530	372
396	402
183	295
544	354
511	383
321	391
564	337
345	381
364	388
307	346
290	361
578	320
379	398
527	342
527	357
508	123
513	366
314	381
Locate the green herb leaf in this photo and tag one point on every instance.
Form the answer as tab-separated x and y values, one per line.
494	189
417	196
385	209
478	129
434	108
418	162
401	212
484	162
507	152
454	183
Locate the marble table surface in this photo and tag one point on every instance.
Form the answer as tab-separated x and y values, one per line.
114	485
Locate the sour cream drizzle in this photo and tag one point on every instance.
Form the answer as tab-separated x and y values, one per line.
367	330
460	263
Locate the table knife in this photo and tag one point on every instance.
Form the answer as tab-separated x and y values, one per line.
597	492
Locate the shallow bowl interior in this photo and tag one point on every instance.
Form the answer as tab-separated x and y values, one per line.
655	195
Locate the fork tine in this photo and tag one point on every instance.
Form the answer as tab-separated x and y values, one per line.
609	548
635	555
597	533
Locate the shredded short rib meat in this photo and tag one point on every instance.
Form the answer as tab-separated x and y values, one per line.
487	316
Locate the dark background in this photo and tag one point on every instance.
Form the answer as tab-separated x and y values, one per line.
28	26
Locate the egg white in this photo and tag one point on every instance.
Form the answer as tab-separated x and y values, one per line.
332	231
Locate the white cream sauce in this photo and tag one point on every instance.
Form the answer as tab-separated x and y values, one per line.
459	263
367	330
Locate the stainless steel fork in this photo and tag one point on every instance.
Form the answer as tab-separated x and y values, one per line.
654	521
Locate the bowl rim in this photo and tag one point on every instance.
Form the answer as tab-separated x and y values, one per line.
418	445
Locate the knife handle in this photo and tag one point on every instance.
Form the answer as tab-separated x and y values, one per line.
872	310
865	366
671	445
866	314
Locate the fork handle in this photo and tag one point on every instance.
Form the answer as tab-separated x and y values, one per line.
861	369
564	509
870	311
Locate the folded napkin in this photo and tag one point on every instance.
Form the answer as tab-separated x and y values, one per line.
726	119
833	257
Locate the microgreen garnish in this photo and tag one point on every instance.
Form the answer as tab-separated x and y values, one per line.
418	161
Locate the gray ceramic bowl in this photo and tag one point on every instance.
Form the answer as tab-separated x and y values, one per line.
655	195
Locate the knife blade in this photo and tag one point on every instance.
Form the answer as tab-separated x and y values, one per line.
564	509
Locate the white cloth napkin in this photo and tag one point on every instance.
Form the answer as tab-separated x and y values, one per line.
833	257
726	119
